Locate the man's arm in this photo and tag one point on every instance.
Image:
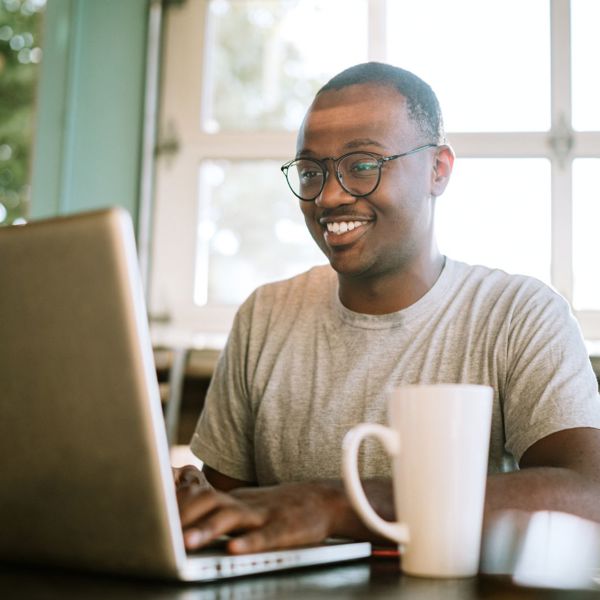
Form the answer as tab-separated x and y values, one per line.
221	482
560	472
212	504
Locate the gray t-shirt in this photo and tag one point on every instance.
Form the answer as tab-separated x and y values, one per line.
300	369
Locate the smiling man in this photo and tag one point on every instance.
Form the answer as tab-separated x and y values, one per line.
374	219
310	357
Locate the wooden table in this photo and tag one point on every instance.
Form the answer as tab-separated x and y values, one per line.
372	579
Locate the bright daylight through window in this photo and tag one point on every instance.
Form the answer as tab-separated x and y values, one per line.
527	143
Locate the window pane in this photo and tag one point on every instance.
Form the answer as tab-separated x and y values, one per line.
585	56
586	241
488	62
20	57
250	231
496	212
267	58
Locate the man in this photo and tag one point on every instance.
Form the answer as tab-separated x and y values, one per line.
310	357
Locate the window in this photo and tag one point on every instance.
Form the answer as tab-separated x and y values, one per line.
20	57
586	241
260	74
521	116
501	211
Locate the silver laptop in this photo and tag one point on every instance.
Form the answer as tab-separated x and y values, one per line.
85	479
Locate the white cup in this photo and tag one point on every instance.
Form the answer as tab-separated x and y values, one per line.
438	439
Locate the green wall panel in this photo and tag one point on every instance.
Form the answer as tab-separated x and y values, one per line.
90	106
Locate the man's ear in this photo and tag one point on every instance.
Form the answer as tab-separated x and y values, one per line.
442	169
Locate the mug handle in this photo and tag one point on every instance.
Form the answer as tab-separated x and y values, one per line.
398	532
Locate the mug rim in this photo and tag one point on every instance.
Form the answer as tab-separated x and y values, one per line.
403	386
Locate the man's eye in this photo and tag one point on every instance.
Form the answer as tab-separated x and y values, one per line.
364	167
309	174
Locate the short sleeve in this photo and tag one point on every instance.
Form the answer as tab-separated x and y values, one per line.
550	384
224	436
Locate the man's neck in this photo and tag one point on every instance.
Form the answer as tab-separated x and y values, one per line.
389	293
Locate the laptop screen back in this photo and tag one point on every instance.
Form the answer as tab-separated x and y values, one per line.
83	447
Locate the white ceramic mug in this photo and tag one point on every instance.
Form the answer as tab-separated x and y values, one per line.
438	438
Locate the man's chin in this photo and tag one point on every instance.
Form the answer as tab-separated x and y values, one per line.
346	261
347	268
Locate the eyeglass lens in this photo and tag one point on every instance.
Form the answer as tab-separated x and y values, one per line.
358	174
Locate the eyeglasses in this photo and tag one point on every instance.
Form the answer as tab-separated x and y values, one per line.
359	173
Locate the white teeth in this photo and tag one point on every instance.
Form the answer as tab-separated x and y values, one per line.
343	226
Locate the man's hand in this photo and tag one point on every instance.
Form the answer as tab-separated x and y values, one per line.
189	476
283	516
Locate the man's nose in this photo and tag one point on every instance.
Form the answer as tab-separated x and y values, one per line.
333	194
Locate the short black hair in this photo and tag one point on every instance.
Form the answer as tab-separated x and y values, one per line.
422	103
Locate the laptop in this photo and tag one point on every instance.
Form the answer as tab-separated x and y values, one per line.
85	479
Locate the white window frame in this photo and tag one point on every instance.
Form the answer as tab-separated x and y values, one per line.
184	145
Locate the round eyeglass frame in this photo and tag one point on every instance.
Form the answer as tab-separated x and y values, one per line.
381	160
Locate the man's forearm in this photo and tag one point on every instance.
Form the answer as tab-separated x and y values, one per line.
531	489
345	522
543	488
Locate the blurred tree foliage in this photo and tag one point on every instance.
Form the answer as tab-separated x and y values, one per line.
258	80
20	55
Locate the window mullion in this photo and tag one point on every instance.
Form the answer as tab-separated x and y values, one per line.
244	145
499	144
560	32
562	231
560	140
587	144
377	30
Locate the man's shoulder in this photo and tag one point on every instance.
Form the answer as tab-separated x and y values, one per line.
497	281
316	278
495	293
311	286
276	310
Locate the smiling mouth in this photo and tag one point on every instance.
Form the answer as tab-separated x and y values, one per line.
340	227
344	233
